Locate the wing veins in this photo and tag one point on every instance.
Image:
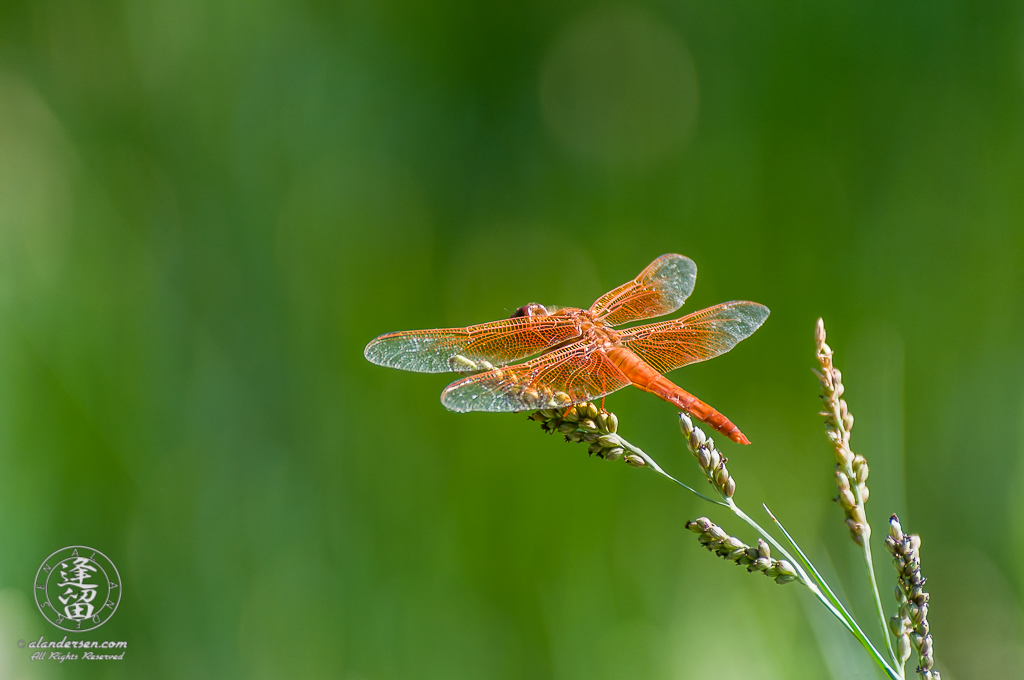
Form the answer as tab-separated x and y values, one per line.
553	380
464	349
661	288
699	336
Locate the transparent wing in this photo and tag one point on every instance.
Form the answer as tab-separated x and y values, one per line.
571	375
694	337
474	348
660	289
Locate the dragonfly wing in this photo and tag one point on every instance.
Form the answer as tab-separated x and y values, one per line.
474	348
694	337
660	289
571	375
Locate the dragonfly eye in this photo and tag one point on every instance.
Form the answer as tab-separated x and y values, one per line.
532	309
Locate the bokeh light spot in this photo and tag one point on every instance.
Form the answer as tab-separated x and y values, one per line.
620	87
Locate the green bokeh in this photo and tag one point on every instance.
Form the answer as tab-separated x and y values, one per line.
207	210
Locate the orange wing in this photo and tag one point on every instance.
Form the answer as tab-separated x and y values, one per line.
694	337
571	375
474	348
660	289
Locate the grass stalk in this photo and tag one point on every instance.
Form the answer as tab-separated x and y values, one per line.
878	607
588	424
829	600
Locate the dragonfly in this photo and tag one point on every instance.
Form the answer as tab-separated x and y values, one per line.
581	355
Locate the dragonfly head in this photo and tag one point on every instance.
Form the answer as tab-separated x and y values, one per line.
532	309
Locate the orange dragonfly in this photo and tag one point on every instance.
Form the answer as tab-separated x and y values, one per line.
581	356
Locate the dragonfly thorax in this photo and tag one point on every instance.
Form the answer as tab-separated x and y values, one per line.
602	336
594	331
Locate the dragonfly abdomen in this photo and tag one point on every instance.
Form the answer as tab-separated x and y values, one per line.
642	375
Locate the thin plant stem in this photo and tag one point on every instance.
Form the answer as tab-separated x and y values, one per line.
810	565
836	607
859	634
878	602
653	464
868	563
839	612
851	470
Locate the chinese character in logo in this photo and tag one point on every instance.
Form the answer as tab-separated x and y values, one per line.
77	588
79	595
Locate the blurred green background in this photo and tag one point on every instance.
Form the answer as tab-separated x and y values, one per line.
208	209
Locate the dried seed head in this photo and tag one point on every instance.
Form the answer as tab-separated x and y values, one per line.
903	648
721	476
704	458
588	424
851	469
614	453
717	532
911	631
699	525
785	568
714	459
730	548
896	626
730	488
732	543
858	532
710	460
